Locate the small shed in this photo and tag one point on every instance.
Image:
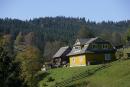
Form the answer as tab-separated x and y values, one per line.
61	58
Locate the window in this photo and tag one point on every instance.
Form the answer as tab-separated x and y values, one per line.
73	60
107	56
81	59
93	46
96	45
77	47
105	46
99	46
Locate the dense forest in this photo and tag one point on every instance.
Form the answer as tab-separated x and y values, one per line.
30	43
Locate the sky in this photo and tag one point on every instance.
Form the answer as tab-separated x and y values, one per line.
94	10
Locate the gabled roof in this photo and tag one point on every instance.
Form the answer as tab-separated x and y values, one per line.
91	40
85	41
83	50
61	51
82	42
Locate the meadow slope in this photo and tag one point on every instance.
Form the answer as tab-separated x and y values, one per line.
117	74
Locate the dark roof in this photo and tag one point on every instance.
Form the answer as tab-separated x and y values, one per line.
85	49
85	41
82	51
61	51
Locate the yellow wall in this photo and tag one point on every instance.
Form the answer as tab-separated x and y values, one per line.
82	60
79	60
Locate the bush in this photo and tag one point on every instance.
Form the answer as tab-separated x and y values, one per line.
44	84
50	79
119	54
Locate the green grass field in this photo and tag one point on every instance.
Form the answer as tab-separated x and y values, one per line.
116	75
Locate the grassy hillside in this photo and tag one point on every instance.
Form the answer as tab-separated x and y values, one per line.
61	74
117	74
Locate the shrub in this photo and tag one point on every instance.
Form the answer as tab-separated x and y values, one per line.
50	79
44	84
119	54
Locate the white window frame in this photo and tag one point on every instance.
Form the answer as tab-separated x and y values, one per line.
107	56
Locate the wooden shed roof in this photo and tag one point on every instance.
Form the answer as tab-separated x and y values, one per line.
61	51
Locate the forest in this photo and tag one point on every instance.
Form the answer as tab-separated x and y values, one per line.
25	45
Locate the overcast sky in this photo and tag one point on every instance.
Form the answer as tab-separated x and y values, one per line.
95	10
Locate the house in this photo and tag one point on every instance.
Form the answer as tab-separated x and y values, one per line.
61	58
91	51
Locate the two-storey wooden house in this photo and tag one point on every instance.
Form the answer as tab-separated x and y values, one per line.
91	51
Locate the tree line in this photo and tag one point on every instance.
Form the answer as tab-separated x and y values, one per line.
26	45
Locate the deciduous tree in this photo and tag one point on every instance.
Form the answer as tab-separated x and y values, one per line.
30	61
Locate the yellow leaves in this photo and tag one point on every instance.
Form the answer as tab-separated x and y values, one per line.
29	52
30	60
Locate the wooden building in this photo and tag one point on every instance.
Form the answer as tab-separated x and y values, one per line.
61	58
91	51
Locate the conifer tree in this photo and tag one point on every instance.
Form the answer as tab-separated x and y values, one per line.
85	32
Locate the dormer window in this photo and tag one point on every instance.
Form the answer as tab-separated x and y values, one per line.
77	47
